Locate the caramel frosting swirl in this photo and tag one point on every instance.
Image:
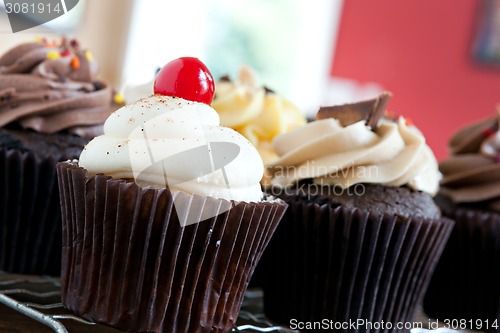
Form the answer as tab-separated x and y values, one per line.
472	172
50	86
393	154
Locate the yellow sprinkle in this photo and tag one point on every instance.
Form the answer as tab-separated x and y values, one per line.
119	99
53	55
89	56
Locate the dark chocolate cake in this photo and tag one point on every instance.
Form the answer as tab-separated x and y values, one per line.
59	145
400	201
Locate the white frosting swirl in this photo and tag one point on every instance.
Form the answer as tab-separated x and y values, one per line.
330	154
140	137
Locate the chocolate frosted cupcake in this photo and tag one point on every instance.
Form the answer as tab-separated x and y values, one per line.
465	285
362	235
50	107
164	219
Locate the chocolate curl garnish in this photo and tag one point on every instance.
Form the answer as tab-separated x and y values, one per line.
225	78
371	110
469	139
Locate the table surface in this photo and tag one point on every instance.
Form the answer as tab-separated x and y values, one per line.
14	322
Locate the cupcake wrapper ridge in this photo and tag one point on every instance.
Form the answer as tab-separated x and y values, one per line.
344	264
30	214
466	281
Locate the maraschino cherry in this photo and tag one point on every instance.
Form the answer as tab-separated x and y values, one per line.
186	78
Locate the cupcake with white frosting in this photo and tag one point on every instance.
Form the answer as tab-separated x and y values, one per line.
164	218
362	234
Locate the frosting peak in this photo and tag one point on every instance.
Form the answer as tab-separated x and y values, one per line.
171	142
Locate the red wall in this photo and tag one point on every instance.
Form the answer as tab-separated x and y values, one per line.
421	51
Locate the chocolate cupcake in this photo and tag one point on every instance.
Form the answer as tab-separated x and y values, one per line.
164	219
50	107
465	285
362	235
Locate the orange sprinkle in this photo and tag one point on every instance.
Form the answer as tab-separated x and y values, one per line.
408	122
75	62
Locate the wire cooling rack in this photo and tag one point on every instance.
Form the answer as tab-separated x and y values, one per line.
39	298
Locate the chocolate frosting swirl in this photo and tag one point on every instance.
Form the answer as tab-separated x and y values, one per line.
51	87
472	172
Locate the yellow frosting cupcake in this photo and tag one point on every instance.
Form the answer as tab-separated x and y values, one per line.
255	111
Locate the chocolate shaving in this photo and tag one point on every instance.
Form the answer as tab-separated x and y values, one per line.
225	78
268	90
371	110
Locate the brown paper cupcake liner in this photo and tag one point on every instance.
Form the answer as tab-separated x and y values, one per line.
466	281
129	263
342	264
30	218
